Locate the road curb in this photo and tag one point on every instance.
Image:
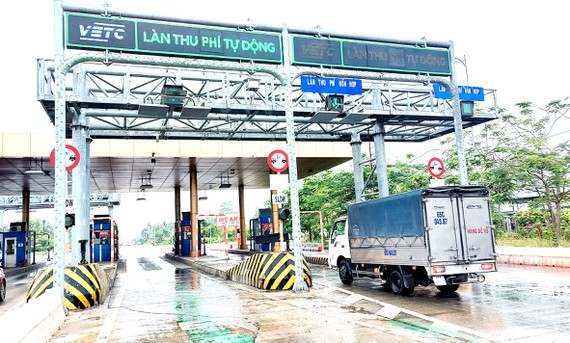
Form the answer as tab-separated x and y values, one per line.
35	321
200	266
540	261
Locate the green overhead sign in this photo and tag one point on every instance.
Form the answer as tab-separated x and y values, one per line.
85	31
367	55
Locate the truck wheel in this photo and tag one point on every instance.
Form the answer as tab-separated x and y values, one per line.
396	280
447	289
345	272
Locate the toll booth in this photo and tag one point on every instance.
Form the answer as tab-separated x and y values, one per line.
14	243
262	226
186	235
105	237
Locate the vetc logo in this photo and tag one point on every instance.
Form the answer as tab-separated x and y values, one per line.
101	32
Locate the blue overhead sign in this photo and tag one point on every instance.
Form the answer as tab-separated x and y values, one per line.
465	92
330	85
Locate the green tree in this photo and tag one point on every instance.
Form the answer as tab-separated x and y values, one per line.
211	232
328	192
542	165
43	234
523	152
405	176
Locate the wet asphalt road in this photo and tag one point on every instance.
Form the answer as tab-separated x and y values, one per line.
155	300
518	303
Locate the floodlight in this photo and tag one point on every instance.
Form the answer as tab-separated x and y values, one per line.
195	112
153	110
324	116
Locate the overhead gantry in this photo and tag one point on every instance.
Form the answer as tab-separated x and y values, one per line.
122	90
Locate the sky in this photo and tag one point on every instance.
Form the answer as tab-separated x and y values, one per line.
520	48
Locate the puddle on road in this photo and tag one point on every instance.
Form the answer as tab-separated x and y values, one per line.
147	264
194	316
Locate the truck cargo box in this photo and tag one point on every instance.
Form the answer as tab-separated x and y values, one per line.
436	224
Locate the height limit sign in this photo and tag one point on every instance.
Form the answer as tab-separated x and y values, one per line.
278	161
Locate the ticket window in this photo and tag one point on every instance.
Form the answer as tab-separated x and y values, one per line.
97	237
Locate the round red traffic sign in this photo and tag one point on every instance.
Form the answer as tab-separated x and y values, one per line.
278	161
435	167
71	157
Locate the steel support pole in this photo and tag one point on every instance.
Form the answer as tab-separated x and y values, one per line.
26	220
26	207
300	284
80	189
457	123
60	191
242	242
86	233
194	252
356	144
177	213
380	156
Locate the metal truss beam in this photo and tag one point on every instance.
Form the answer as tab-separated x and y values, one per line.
249	105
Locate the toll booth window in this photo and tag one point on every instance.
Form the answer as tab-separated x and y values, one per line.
10	247
97	239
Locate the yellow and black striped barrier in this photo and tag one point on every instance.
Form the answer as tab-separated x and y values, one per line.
269	271
322	260
84	285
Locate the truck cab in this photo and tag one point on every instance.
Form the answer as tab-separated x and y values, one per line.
338	243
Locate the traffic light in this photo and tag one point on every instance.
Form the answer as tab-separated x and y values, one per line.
284	213
467	108
334	103
69	220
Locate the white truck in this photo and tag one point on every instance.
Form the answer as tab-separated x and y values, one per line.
441	235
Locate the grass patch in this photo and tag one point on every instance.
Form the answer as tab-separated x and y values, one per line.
510	241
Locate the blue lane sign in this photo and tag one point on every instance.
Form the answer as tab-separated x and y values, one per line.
330	85
465	92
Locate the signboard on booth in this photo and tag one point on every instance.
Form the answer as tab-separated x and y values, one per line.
104	234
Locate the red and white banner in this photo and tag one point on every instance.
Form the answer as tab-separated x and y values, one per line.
228	219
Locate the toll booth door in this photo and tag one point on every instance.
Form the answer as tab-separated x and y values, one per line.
10	252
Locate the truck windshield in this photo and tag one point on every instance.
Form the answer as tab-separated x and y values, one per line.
338	229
